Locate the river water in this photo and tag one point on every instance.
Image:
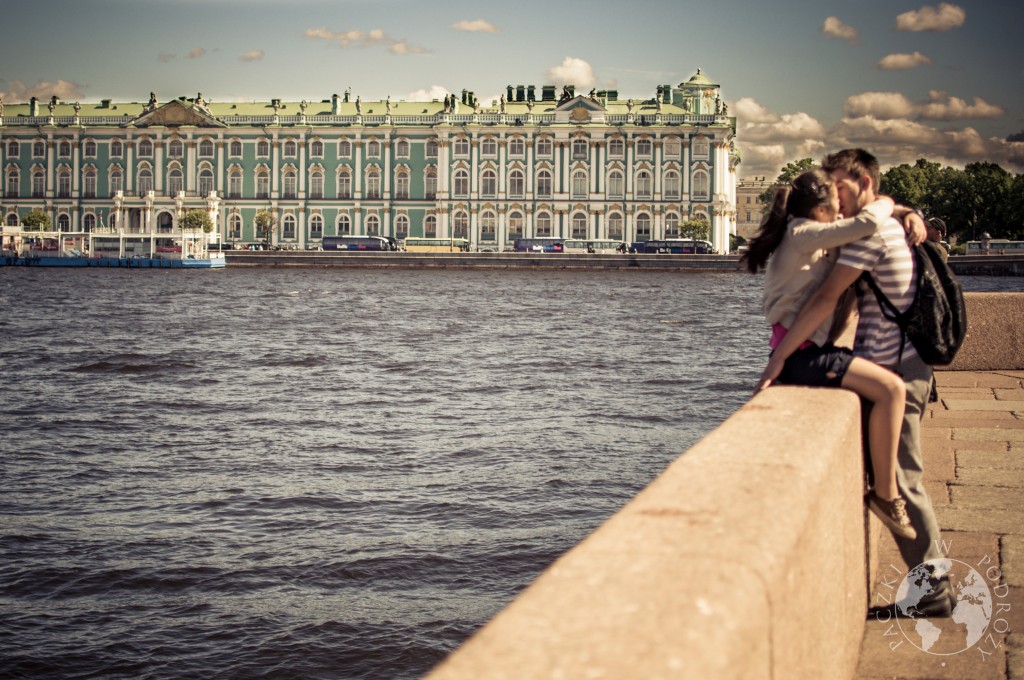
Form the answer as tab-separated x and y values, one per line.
330	473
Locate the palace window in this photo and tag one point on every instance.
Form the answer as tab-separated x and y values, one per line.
579	225
430	226
644	148
643	184
430	184
616	148
13	149
39	150
515	224
543	224
316	184
263	149
401	226
516	184
616	184
461	184
38	184
673	186
12	219
489	147
431	148
344	225
580	185
145	148
460	224
290	149
344	185
262	183
615	226
580	149
235	183
89	222
402	149
643	227
700	186
372	225
13	183
488	226
235	226
64	184
544	184
174	182
401	183
671	225
462	147
516	147
344	148
63	222
290	184
288	226
205	182
701	147
316	149
544	147
373	183
206	149
316	226
373	149
89	150
145	182
488	184
672	149
116	181
116	149
235	149
64	149
175	149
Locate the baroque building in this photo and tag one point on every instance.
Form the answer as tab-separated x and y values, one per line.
534	163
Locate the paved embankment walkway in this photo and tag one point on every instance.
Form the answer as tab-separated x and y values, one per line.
973	442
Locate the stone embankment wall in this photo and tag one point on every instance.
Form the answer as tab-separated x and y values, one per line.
748	557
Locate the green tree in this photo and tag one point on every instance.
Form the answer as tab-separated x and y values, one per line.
698	230
789	172
911	185
197	220
265	223
38	220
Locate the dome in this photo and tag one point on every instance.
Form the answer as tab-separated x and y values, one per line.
699	79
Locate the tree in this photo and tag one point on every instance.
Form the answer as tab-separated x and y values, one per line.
790	172
911	185
698	230
265	223
38	220
197	220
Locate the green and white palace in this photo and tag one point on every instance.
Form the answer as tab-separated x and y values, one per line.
538	162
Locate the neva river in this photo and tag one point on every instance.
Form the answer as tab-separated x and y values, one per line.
330	473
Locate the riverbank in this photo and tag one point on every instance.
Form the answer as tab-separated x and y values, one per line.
986	265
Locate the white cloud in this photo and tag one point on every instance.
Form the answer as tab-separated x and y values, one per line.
945	18
253	55
572	71
893	105
196	53
788	127
358	38
835	28
44	89
475	26
437	92
895	62
750	111
882	105
942	107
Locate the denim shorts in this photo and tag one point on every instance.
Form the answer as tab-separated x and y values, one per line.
816	366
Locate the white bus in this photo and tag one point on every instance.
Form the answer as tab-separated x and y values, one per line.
598	246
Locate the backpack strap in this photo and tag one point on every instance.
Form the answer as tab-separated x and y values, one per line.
889	311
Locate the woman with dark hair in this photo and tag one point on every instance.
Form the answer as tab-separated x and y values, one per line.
797	245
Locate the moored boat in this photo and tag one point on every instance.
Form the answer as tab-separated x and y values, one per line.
163	250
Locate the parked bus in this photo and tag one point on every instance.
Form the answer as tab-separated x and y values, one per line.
540	244
359	243
676	246
594	246
416	244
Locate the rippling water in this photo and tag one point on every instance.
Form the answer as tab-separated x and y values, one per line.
328	473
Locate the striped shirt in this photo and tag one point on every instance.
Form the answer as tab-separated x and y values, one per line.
886	255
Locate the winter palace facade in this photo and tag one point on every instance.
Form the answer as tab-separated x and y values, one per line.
538	162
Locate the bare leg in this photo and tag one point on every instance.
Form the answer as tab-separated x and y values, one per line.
888	392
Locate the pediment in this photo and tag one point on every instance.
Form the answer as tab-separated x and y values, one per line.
581	102
176	114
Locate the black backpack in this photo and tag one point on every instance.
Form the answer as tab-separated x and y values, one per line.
936	321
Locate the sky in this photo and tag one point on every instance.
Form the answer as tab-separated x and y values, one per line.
905	80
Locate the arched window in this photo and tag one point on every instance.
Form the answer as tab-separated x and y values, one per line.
13	183
615	226
205	182
401	226
516	183
316	184
344	225
461	185
700	185
316	226
644	148
263	149
579	149
316	149
401	183
673	186
344	148
290	149
63	183
116	149
235	226
373	183
643	227
701	147
543	184
402	149
616	185
580	185
175	149
116	181
289	184
372	225
145	181
288	226
672	149
12	219
89	222
516	147
145	148
262	183
489	147
461	147
515	224
544	147
430	226
430	184
431	148
206	149
543	227
38	184
39	149
344	184
488	226
672	225
174	182
488	184
89	150
616	148
64	149
12	149
235	150
373	149
643	184
460	224
63	222
235	183
579	225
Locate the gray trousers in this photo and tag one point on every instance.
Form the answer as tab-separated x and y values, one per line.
910	472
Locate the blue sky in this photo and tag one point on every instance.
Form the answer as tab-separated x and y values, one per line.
944	81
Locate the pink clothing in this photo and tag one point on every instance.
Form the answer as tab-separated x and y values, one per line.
779	332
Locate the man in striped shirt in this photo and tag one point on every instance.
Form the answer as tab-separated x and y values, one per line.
889	260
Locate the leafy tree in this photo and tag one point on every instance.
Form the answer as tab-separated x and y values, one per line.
789	172
197	220
911	184
38	220
265	223
698	230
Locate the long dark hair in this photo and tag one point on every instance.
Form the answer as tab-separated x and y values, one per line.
799	198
